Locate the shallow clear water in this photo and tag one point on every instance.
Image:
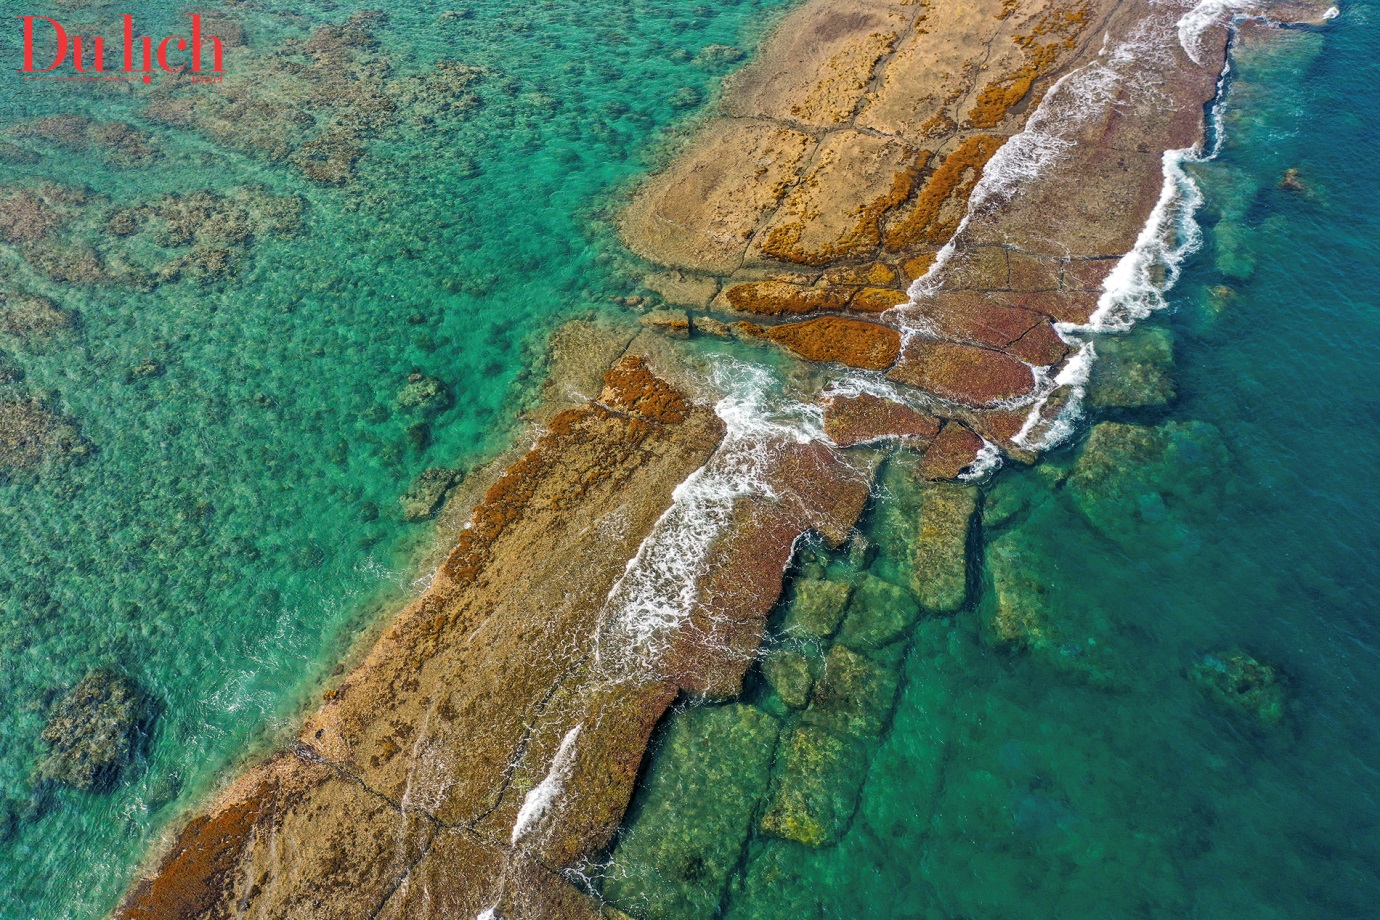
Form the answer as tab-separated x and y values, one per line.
1091	774
239	520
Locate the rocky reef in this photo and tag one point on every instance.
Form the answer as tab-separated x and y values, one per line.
93	731
877	198
854	205
34	436
486	742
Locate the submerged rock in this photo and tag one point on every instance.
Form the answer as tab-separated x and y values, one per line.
817	790
424	497
788	671
853	696
1129	479
878	613
33	319
425	393
1133	370
675	323
695	814
1016	617
940	575
92	730
822	767
816	608
31	434
1243	686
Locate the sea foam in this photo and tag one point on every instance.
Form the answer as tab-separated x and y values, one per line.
1136	286
542	796
658	589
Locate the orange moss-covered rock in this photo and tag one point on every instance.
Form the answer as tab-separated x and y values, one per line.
836	209
630	386
1061	22
963	374
197	877
952	451
939	207
877	300
777	298
836	339
859	419
916	266
874	275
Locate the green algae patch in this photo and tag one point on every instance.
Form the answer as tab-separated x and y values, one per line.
694	815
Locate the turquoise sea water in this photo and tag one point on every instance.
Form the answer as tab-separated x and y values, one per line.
238	522
1094	772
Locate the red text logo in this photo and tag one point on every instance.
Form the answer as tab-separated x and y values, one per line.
198	55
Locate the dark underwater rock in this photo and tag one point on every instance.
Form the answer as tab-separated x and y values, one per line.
940	574
31	434
1243	686
33	319
92	731
695	814
424	497
1134	370
879	613
423	393
1130	480
822	767
817	607
788	671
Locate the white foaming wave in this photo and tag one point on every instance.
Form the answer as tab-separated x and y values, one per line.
658	588
1071	102
1134	289
987	461
1072	379
540	798
1202	17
